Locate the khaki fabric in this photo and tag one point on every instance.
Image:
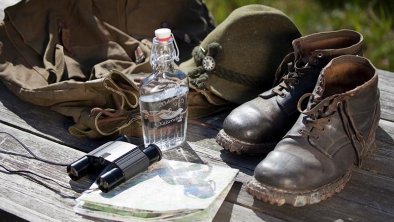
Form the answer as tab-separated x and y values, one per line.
83	58
202	103
189	20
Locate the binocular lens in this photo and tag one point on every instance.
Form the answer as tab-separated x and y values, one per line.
118	160
79	168
153	152
110	179
134	162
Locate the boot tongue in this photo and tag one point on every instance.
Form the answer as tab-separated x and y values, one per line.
307	56
301	53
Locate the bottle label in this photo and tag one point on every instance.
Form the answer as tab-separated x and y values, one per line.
170	112
165	109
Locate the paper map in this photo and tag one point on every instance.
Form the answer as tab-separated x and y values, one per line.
169	190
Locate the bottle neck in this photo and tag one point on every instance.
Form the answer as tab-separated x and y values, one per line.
163	55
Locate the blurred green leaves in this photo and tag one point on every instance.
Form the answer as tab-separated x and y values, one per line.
374	19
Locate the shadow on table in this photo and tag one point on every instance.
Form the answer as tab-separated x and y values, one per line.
5	216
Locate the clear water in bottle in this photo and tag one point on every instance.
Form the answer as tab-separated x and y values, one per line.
164	117
163	95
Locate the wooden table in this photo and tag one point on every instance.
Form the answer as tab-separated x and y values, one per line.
369	196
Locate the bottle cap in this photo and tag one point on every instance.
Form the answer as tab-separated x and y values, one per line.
163	34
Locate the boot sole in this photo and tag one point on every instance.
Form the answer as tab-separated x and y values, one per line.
279	197
240	147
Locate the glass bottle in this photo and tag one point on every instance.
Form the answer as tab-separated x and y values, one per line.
163	95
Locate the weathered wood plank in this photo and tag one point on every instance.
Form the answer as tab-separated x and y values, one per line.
371	191
207	157
366	190
204	149
382	159
333	209
16	209
48	201
233	212
367	197
45	200
386	80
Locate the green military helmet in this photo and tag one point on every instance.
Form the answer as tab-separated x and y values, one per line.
238	59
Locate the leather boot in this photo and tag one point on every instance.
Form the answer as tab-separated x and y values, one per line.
337	129
256	126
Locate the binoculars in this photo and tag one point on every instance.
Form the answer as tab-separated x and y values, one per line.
117	161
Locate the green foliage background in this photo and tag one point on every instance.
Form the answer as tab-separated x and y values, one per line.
374	19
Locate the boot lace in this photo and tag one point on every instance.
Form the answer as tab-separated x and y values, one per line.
317	115
289	80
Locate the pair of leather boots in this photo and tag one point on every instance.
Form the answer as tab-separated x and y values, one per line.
321	114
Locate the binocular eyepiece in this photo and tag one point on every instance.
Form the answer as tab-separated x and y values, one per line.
117	161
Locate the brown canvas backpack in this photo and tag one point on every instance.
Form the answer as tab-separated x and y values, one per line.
82	58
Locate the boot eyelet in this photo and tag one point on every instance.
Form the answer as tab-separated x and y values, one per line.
319	55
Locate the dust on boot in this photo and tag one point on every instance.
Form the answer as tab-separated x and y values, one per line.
256	126
337	129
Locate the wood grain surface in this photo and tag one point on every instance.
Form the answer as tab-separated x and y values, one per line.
49	195
365	198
